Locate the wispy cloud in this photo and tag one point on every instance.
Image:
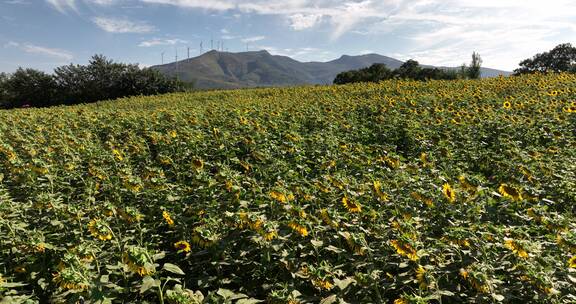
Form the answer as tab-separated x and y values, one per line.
159	42
63	5
115	25
253	39
40	50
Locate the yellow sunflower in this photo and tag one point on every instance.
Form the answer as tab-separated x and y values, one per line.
168	218
278	196
448	192
401	301
301	230
351	206
404	249
322	284
510	192
421	277
182	246
572	262
70	279
516	248
100	230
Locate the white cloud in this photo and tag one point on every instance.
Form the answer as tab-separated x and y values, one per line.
158	42
440	32
40	50
62	5
114	25
343	15
103	2
253	39
503	31
304	21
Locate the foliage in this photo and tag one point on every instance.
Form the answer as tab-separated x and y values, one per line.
3	89
101	79
474	72
379	72
403	191
28	87
104	79
561	58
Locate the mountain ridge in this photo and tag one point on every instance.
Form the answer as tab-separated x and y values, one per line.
225	70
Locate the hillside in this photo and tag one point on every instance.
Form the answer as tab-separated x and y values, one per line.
261	69
397	192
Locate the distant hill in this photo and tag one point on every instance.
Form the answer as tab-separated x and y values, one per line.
261	69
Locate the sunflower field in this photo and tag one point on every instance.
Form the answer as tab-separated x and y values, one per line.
398	192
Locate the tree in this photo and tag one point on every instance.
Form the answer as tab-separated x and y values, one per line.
29	87
561	58
374	73
409	69
473	71
3	89
104	79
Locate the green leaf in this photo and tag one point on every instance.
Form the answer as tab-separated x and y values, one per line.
147	283
329	300
249	301
173	269
316	243
343	284
225	293
12	285
498	297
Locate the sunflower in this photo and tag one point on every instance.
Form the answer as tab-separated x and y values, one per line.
278	196
404	250
182	246
507	105
421	277
351	206
401	301
510	192
572	262
377	188
322	284
168	218
100	230
117	154
270	235
198	164
448	192
301	230
326	218
516	248
138	261
71	279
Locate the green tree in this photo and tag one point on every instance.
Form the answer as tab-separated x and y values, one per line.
29	87
3	89
374	73
474	71
104	79
409	69
561	58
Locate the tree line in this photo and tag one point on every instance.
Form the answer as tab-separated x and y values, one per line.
410	69
561	58
101	79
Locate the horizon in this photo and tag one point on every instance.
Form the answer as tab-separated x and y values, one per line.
44	34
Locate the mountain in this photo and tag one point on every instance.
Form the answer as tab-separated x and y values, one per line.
224	70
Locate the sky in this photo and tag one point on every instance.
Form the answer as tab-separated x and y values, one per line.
44	34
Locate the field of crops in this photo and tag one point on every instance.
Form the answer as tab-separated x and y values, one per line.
399	192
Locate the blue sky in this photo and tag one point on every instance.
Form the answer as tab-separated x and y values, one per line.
44	34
